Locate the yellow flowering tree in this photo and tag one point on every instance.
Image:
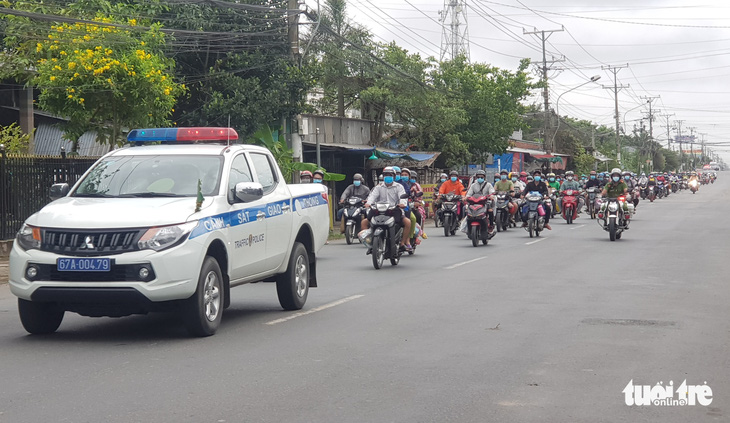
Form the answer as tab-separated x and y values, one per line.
105	76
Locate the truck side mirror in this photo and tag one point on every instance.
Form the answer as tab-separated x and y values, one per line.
58	190
247	192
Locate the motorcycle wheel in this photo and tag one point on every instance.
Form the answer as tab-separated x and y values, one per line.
475	235
612	230
531	228
446	224
348	234
378	252
569	215
593	213
505	222
499	222
395	260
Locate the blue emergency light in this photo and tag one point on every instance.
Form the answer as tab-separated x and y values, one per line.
182	135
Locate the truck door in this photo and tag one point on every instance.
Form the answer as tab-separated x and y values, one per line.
247	240
279	217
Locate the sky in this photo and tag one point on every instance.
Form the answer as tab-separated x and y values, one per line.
678	52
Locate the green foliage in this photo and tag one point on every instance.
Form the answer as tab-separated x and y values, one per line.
14	139
671	160
582	161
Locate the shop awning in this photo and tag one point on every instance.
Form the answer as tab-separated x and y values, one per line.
385	157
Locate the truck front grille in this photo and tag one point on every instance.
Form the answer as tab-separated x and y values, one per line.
90	242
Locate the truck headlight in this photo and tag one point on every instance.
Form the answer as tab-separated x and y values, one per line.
29	237
162	237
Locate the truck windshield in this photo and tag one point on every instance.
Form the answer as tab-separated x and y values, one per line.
152	176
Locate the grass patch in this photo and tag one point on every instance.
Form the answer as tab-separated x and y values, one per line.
335	235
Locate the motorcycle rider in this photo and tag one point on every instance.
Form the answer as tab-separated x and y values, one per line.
391	193
614	189
435	204
356	189
305	177
518	184
643	180
540	186
453	185
570	183
482	187
415	190
602	180
318	176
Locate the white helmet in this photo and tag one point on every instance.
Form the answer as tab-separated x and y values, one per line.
615	170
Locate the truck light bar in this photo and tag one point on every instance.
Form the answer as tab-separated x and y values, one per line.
182	135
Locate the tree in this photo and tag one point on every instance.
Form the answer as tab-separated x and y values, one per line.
104	78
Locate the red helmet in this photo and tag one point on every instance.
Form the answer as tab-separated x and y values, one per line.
305	173
523	173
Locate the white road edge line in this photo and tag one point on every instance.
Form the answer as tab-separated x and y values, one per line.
576	227
454	266
314	310
534	242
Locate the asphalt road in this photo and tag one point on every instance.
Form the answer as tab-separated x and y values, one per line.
517	331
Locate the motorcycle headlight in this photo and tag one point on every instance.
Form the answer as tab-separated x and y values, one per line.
29	237
162	237
382	207
613	207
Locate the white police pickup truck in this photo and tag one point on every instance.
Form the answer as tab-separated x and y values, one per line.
169	227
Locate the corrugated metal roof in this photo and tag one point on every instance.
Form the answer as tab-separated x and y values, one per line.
49	140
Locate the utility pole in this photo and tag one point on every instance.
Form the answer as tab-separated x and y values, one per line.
649	100
616	87
544	35
692	144
669	128
679	136
702	154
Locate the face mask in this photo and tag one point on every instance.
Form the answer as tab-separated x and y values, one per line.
454	178
413	181
306	180
570	178
616	178
480	180
443	179
552	179
537	178
503	177
388	180
317	181
356	183
593	176
496	179
405	178
514	179
397	177
627	177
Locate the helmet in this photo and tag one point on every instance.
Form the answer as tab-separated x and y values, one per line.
643	174
405	169
357	177
389	169
530	178
396	169
319	172
627	173
305	173
593	172
496	174
616	171
569	173
453	173
503	171
523	173
413	173
482	173
443	175
551	175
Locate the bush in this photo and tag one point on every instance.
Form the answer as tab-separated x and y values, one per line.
14	139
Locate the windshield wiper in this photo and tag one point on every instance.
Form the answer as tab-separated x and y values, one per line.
93	195
152	194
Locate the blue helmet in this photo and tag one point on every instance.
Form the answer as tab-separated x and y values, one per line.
397	170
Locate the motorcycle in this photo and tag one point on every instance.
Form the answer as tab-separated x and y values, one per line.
693	186
535	213
353	216
651	195
643	191
503	212
675	187
593	194
613	219
414	203
449	213
477	221
570	205
660	189
386	234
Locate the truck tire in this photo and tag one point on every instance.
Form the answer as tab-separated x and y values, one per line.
203	311
39	318
292	286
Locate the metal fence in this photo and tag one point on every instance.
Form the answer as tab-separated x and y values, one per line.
25	182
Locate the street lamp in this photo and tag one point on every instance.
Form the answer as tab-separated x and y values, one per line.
594	78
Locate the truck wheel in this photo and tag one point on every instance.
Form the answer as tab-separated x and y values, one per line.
292	286
39	318
202	312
